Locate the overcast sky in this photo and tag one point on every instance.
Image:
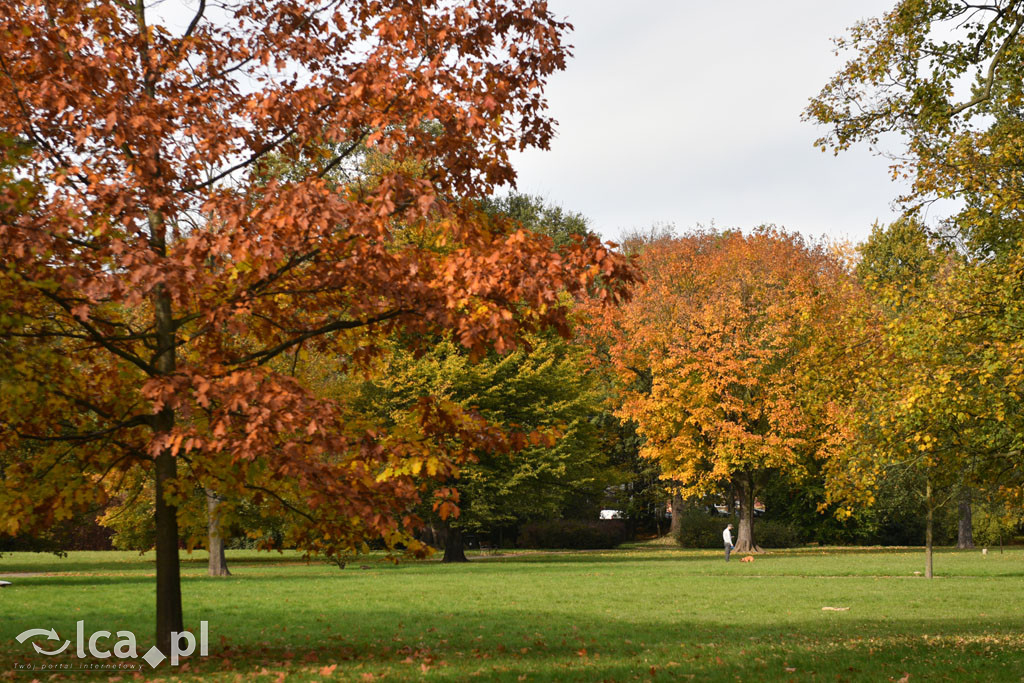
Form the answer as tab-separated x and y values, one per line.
686	112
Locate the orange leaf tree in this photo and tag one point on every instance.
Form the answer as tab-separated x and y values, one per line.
725	333
154	277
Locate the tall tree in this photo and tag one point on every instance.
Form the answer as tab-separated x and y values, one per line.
159	277
945	79
929	384
544	393
728	325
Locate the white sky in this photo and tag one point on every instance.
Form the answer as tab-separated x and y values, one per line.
687	112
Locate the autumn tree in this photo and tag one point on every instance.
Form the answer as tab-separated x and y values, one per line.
727	324
153	278
943	81
928	391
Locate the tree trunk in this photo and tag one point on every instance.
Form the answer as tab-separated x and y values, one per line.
965	529
168	569
168	572
218	564
453	550
928	529
745	543
677	514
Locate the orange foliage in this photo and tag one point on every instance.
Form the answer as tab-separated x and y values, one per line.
154	274
727	333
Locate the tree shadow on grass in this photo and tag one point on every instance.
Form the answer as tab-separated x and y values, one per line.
504	644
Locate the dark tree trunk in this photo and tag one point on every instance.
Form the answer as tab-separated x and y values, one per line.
745	543
168	569
168	573
677	514
929	526
218	564
965	529
453	550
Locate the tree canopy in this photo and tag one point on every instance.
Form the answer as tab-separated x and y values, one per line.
154	276
726	326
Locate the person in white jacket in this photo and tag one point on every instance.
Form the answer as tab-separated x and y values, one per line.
727	537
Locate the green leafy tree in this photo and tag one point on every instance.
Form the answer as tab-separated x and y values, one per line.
931	392
944	80
543	392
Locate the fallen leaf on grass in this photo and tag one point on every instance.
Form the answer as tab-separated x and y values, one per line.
328	670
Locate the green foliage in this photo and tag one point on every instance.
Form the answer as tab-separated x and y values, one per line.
243	524
573	534
544	390
533	213
798	504
901	254
778	534
642	493
697	529
131	519
995	525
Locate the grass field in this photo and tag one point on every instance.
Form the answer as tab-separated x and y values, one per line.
641	613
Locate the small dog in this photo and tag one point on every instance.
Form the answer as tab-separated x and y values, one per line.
748	558
984	551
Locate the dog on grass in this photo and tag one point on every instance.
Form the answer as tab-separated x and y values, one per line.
748	558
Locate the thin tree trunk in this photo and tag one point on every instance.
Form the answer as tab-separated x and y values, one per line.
168	573
965	529
928	529
168	569
745	543
218	563
677	514
453	550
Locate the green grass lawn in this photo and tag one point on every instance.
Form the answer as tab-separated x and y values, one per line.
641	613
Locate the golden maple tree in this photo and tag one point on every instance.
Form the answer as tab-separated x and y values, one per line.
727	328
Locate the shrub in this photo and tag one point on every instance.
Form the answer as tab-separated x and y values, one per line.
775	534
700	530
992	526
697	529
572	533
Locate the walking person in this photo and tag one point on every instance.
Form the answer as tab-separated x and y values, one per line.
727	537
